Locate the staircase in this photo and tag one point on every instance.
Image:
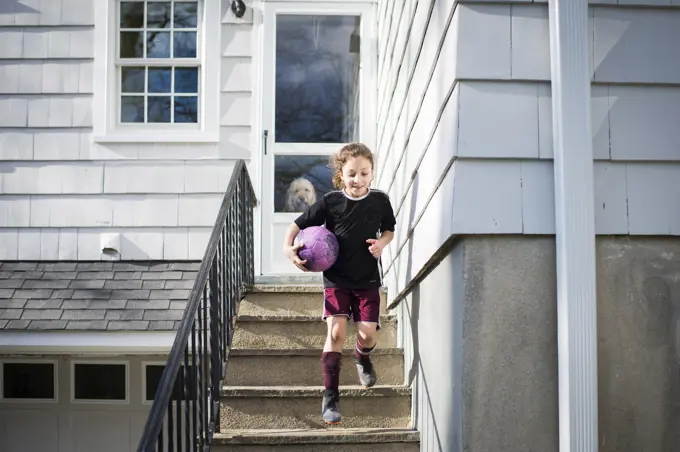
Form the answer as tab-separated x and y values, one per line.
273	386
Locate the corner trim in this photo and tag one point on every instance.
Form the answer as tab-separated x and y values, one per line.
432	263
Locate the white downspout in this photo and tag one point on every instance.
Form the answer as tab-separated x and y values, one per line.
574	226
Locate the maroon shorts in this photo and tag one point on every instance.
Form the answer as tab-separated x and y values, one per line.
359	305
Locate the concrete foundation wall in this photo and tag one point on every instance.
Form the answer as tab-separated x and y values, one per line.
485	367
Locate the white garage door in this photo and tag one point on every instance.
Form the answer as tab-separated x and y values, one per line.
70	404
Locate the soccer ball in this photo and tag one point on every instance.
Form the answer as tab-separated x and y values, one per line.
319	248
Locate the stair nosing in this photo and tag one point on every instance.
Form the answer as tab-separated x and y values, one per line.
318	436
314	391
296	318
306	351
286	288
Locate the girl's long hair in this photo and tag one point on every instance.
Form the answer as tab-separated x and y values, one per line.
340	158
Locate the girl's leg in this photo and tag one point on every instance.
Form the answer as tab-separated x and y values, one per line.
365	344
331	362
366	336
336	333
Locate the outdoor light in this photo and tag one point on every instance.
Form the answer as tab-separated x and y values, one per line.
238	7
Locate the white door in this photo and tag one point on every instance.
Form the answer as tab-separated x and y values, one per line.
318	93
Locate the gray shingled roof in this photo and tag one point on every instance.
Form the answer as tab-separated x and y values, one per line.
95	296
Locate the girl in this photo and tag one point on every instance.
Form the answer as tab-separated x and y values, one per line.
355	214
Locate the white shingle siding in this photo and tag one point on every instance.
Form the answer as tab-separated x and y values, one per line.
59	190
236	74
83	243
15	211
237	40
114	177
64	144
13	111
48	77
15	144
498	125
235	109
37	178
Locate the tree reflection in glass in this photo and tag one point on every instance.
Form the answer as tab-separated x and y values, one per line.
317	79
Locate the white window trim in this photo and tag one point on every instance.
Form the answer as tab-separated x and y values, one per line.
55	376
102	401
145	365
104	114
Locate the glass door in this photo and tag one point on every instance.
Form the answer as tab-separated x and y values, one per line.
317	96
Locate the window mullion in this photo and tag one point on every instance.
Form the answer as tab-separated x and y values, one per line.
172	95
146	95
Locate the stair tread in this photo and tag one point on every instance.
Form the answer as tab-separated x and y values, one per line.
305	351
297	318
317	435
286	288
314	391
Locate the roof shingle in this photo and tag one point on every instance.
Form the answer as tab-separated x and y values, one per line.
95	296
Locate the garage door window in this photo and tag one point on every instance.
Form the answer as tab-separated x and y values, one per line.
152	378
28	381
100	382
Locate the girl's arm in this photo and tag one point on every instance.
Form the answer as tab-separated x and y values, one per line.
290	250
385	238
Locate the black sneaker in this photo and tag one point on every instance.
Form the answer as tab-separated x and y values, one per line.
330	410
366	372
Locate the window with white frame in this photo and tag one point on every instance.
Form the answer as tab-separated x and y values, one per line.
28	380
152	373
156	73
157	64
99	381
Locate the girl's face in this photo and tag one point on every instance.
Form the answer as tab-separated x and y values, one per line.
357	175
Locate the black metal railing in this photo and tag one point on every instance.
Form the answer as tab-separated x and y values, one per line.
186	408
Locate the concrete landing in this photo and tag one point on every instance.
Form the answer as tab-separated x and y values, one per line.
346	439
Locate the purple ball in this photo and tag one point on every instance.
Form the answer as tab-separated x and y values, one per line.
319	248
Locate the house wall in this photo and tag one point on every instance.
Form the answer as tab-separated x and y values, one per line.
485	373
465	148
60	189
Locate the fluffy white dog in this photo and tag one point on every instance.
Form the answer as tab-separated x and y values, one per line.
301	194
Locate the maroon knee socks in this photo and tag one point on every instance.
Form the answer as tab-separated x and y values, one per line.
330	362
361	353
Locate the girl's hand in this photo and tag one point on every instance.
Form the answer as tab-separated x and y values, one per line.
375	247
291	252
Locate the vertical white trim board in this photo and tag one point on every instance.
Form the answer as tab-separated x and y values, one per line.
574	226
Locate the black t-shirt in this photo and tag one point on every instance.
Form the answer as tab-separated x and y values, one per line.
353	221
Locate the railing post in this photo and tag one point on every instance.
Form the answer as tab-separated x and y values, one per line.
215	345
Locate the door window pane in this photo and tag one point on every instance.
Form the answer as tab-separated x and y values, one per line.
299	181
317	79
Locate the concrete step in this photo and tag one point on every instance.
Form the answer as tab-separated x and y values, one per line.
298	278
301	299
302	367
335	440
299	332
250	407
